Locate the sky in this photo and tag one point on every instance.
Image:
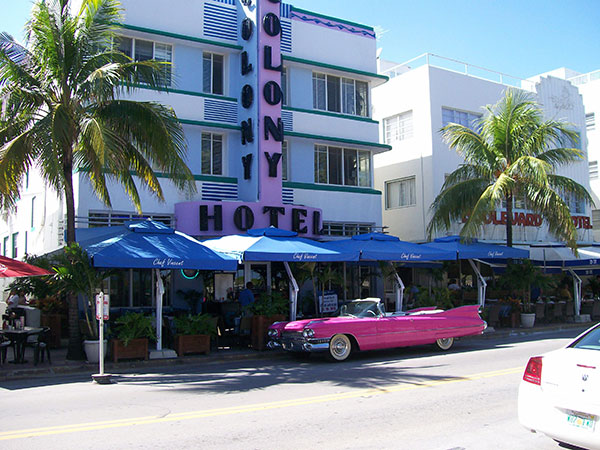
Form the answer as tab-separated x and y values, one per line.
520	38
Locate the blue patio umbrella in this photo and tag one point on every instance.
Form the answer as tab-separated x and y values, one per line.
384	247
147	244
274	244
473	249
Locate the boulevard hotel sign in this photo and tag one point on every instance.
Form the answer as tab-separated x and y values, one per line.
261	138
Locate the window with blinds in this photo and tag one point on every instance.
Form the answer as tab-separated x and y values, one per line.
590	121
400	193
593	166
398	127
460	117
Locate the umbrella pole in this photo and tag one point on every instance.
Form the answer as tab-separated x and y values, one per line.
345	281
293	291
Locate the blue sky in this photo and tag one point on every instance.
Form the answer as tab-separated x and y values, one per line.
517	37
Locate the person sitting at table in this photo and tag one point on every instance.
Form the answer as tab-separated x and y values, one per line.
246	297
12	302
22	298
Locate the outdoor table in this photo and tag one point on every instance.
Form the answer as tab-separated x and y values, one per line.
18	338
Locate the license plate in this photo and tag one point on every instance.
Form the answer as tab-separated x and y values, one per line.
582	421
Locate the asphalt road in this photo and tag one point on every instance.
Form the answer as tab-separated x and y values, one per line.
416	398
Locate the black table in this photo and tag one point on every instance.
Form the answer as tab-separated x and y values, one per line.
18	340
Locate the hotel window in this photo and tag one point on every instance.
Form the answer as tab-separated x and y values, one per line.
343	166
284	160
5	246
142	50
15	245
284	86
590	121
593	166
212	73
460	117
342	95
400	193
596	219
212	154
398	127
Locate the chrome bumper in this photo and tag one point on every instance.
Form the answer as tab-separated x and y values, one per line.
300	345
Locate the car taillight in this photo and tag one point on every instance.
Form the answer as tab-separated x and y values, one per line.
533	371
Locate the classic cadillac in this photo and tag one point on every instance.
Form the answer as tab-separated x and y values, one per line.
364	325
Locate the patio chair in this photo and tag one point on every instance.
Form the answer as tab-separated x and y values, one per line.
4	344
558	313
570	311
540	312
494	316
41	346
596	310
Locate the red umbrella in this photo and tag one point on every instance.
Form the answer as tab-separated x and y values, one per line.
12	268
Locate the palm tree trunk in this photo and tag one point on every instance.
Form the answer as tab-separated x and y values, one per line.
509	220
74	350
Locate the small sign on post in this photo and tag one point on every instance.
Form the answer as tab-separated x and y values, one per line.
102	311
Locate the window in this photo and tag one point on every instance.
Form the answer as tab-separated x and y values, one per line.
593	166
400	193
212	73
460	117
142	50
284	160
590	121
596	219
32	212
346	229
342	95
398	128
5	246
15	245
212	154
344	166
284	86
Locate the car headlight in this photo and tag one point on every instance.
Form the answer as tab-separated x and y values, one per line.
272	333
308	333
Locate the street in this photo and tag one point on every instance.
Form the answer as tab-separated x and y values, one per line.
415	398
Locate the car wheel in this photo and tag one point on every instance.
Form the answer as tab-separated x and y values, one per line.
444	344
340	347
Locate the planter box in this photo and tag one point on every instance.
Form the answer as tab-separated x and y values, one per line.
137	349
192	343
54	322
260	325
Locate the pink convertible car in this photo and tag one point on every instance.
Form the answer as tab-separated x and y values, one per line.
363	325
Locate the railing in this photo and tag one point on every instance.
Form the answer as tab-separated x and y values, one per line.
585	78
454	65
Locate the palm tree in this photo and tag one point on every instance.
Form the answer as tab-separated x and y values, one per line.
63	112
513	154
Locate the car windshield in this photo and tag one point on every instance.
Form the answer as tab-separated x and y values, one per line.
590	341
359	309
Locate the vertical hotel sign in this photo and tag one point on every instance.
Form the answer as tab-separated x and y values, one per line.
270	98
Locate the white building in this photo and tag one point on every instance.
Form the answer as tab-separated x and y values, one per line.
425	94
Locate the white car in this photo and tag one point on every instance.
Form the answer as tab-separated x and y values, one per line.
560	392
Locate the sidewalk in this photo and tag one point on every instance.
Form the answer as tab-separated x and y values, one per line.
62	366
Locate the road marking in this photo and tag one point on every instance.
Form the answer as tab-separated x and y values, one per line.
119	423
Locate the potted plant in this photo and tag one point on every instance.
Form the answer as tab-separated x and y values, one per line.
266	310
132	332
75	275
194	333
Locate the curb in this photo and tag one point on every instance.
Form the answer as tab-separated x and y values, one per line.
83	368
